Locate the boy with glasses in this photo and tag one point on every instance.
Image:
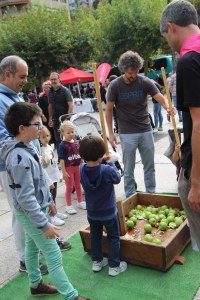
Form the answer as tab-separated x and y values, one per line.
32	201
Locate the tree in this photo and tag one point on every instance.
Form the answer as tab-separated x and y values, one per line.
128	25
45	39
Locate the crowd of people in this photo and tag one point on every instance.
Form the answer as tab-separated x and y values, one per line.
29	172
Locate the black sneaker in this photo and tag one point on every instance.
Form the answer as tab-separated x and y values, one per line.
43	268
43	288
63	245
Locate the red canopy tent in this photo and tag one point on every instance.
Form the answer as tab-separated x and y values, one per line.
72	75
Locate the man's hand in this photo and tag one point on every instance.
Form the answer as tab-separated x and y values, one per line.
50	123
51	233
52	211
44	119
107	157
194	198
113	139
171	111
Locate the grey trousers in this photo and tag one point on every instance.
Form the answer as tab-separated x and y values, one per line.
184	186
18	230
145	144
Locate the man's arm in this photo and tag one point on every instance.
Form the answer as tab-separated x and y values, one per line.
69	100
194	194
70	107
109	121
3	131
162	100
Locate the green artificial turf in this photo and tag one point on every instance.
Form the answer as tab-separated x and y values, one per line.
180	282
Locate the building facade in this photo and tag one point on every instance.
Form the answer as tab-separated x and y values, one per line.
14	6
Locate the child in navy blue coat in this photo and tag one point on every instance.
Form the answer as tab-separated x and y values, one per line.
97	180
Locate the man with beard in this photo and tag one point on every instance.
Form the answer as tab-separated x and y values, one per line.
128	93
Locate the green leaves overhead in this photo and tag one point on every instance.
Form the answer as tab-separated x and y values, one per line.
45	39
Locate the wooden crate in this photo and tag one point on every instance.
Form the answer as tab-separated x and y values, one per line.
141	253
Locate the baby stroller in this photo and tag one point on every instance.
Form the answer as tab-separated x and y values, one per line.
85	124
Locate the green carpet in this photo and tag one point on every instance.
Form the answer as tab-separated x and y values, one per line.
137	283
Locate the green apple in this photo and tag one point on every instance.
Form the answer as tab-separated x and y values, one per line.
134	219
152	221
148	238
163	226
178	221
163	207
148	228
139	207
172	225
170	218
130	224
157	241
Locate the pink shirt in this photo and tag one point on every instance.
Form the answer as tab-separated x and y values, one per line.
192	43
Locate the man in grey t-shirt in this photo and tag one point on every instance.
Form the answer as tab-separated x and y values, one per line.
129	95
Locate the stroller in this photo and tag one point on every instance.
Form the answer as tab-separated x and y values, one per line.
84	125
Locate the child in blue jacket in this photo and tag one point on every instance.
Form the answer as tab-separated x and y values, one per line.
97	180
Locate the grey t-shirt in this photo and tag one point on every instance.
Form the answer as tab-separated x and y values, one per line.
131	103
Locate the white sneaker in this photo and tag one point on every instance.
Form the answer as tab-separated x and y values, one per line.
70	210
62	216
155	130
56	221
81	205
98	265
115	271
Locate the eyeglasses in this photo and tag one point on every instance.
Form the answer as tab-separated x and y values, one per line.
38	124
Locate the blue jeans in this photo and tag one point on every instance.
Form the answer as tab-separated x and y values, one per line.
145	144
35	239
175	104
158	118
96	232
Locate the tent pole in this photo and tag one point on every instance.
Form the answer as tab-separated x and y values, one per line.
79	90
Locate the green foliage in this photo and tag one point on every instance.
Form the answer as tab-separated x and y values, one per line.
129	25
49	41
45	39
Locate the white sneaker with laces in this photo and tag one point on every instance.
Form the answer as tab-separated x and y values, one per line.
155	130
56	221
81	205
115	271
70	210
98	265
62	216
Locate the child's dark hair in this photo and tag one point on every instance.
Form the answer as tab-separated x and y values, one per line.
20	113
92	148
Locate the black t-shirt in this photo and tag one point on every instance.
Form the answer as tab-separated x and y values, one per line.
59	100
43	103
188	95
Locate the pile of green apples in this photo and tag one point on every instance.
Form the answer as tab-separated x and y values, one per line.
161	217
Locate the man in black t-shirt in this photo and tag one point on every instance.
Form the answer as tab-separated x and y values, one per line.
179	26
60	103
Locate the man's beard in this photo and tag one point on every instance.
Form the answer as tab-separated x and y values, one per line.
131	79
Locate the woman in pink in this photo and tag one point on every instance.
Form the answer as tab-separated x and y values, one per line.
69	161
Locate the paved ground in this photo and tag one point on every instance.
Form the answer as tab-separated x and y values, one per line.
165	179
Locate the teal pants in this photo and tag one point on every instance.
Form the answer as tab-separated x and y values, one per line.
35	241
